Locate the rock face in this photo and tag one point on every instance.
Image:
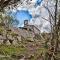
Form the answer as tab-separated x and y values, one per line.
15	35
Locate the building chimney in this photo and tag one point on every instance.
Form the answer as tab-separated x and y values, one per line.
25	23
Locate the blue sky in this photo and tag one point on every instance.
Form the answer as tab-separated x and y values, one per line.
38	2
22	15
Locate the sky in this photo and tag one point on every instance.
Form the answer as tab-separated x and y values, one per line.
34	11
22	15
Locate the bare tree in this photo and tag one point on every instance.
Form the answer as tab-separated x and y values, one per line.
54	32
5	3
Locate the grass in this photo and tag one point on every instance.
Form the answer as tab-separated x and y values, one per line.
19	50
10	50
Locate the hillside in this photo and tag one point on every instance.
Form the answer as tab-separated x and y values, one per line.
17	44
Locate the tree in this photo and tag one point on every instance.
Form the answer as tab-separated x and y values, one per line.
54	32
5	3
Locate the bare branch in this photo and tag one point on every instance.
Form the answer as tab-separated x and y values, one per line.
46	20
49	12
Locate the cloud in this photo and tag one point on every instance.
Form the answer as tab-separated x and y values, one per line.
36	12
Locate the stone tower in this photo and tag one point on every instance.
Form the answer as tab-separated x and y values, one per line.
25	23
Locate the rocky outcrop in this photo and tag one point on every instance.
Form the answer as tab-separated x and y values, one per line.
15	35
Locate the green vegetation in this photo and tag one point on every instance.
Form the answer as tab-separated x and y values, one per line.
10	50
1	30
13	34
41	47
